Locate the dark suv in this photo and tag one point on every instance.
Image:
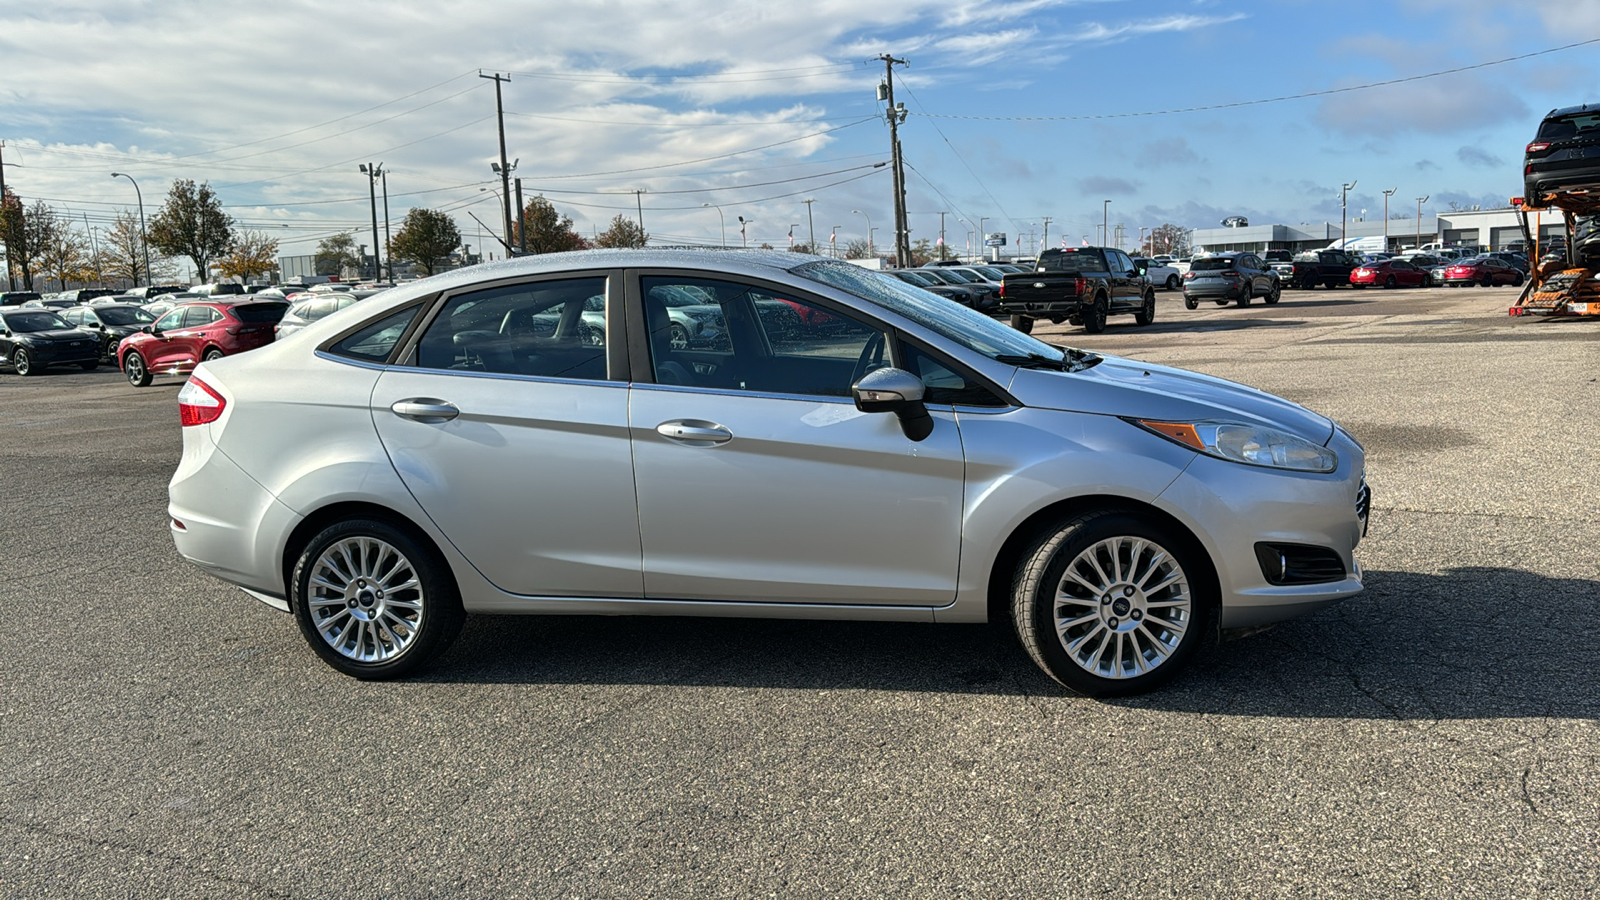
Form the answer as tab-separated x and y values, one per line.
1564	156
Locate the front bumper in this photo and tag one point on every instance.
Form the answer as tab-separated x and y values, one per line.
63	352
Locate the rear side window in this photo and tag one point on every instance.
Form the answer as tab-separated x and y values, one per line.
376	341
545	328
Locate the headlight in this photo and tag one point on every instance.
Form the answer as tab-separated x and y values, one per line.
1253	445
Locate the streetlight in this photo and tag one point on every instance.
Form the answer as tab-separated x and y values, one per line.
1420	200
811	223
1344	241
1105	221
722	220
869	230
373	172
1386	218
385	175
792	227
143	241
744	241
833	242
505	213
982	238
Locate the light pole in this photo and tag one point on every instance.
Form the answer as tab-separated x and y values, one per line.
143	241
968	232
721	220
1420	200
390	258
744	240
505	213
869	230
1386	218
982	238
792	227
373	173
833	242
1105	219
1344	241
811	223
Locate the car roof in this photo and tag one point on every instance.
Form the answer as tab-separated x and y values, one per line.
1569	110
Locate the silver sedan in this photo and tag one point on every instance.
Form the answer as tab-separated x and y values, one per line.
472	444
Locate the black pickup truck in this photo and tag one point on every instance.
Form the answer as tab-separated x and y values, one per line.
1313	267
1081	285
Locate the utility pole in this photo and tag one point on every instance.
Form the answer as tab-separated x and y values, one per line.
1105	232
1386	218
1420	200
638	199
811	223
387	255
505	169
373	172
942	244
11	280
522	233
896	114
1044	240
1344	240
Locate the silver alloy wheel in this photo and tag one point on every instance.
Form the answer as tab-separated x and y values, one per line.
135	366
1122	607
366	599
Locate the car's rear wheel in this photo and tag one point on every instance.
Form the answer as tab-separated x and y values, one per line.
373	601
1488	281
1094	318
1147	311
1111	603
23	362
1023	324
212	354
1172	282
1390	282
1190	302
90	366
138	373
1244	294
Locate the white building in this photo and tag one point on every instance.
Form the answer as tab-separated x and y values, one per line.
1492	228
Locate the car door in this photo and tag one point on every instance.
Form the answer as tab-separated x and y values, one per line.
169	343
1125	288
510	428
758	480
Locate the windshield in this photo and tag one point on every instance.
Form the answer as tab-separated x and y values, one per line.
973	330
123	315
917	278
963	277
1212	264
34	321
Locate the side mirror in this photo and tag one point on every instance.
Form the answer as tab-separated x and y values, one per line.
897	391
150	329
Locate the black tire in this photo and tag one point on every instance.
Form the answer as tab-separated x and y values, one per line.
90	366
134	367
1147	311
1040	590
1276	294
1173	283
212	354
1190	302
1244	295
1331	284
678	337
1094	318
1023	324
22	361
1516	280
415	635
1222	303
1390	282
1488	281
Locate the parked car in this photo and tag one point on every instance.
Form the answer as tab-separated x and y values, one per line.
1329	268
17	298
218	289
1516	261
79	296
108	323
192	333
51	302
1389	273
160	305
960	293
33	339
1158	274
151	292
1239	277
984	293
1081	285
307	311
1121	513
1564	154
1485	271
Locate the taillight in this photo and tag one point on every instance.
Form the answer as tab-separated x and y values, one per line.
1079	285
1002	288
1230	274
199	403
1538	147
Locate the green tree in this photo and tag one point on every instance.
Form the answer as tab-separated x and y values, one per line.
191	223
923	252
426	238
251	254
548	230
337	253
622	233
11	235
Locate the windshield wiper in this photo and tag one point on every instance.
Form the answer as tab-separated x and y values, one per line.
1071	360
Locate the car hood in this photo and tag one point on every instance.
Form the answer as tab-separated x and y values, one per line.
53	335
1132	389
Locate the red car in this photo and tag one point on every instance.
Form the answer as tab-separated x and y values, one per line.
195	332
1482	270
1389	273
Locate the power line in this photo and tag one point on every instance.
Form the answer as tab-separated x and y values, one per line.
917	100
731	187
1236	104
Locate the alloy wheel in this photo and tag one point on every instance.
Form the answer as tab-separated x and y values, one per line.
1122	607
366	599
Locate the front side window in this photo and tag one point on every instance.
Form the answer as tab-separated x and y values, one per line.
547	329
744	337
944	381
172	320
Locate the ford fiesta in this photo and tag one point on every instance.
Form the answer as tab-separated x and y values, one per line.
488	441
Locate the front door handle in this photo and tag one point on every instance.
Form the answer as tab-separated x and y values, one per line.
425	409
694	432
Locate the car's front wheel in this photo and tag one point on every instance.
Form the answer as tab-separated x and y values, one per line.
1276	294
373	601
23	362
138	373
1111	603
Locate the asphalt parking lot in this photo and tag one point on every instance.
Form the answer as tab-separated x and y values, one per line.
163	735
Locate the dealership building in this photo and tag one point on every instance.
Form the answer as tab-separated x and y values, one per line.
1491	228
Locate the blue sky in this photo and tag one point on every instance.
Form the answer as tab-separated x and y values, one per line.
1018	109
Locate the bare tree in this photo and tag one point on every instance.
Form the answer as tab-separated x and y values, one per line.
62	252
858	248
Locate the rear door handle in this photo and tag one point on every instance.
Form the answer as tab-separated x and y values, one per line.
425	409
694	432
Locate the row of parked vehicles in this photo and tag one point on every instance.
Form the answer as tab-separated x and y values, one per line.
146	334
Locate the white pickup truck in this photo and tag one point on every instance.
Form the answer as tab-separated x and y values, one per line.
1161	274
